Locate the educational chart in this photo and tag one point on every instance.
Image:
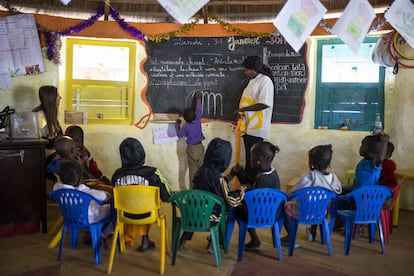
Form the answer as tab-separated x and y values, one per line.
182	65
20	51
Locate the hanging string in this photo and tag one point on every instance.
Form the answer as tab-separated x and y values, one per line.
54	43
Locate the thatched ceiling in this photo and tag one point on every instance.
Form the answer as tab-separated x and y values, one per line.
152	11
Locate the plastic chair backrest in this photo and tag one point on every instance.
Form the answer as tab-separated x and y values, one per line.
195	207
369	201
74	206
137	200
312	203
263	206
396	192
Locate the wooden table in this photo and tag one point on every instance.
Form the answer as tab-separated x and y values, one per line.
408	174
23	196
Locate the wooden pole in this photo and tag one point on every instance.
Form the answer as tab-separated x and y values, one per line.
106	9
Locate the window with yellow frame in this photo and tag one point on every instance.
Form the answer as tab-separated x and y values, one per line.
100	76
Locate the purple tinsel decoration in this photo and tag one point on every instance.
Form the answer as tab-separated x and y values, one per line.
125	26
50	54
83	25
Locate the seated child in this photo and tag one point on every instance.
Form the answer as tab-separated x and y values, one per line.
91	169
70	175
65	149
134	172
319	176
209	178
387	177
262	155
373	150
368	170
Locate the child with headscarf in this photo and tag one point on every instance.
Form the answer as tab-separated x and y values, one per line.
134	172
209	178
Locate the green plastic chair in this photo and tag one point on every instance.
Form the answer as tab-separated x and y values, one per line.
195	208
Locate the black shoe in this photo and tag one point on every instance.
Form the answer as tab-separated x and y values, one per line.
252	246
150	245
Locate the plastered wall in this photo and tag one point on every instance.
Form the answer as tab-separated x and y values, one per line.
294	140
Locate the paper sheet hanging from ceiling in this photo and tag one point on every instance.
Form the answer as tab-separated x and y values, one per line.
352	27
182	10
298	19
401	17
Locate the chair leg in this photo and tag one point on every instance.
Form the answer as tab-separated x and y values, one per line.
349	228
276	240
385	225
57	227
381	237
216	244
242	239
176	229
163	244
62	242
292	235
74	237
223	235
96	231
113	246
371	232
230	226
56	238
327	236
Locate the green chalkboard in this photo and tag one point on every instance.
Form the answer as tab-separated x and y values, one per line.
182	65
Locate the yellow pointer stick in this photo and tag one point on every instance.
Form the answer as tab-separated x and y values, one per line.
236	180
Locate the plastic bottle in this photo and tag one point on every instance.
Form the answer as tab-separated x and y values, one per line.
377	125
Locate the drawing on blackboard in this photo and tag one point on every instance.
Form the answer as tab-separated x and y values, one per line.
212	103
182	65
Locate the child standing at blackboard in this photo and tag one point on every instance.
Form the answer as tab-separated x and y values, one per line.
193	133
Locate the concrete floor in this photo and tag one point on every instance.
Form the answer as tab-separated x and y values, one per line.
27	252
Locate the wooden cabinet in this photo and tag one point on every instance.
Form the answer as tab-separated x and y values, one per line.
22	180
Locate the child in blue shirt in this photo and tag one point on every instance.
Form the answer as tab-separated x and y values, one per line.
373	150
193	132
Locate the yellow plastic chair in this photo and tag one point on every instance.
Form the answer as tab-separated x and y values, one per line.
137	200
58	226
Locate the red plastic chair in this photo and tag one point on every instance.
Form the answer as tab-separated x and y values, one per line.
386	211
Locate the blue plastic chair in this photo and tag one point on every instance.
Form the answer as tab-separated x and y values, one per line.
264	211
368	204
312	204
74	206
196	208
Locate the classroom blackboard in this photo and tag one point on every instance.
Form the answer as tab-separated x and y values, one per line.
182	65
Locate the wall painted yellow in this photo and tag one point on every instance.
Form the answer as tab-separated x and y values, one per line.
293	140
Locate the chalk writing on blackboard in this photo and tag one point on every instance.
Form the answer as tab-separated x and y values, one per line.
180	66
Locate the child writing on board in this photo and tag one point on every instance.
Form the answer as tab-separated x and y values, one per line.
192	131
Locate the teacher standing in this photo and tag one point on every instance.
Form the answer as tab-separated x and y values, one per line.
256	106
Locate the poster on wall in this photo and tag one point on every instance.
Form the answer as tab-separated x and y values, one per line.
20	50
